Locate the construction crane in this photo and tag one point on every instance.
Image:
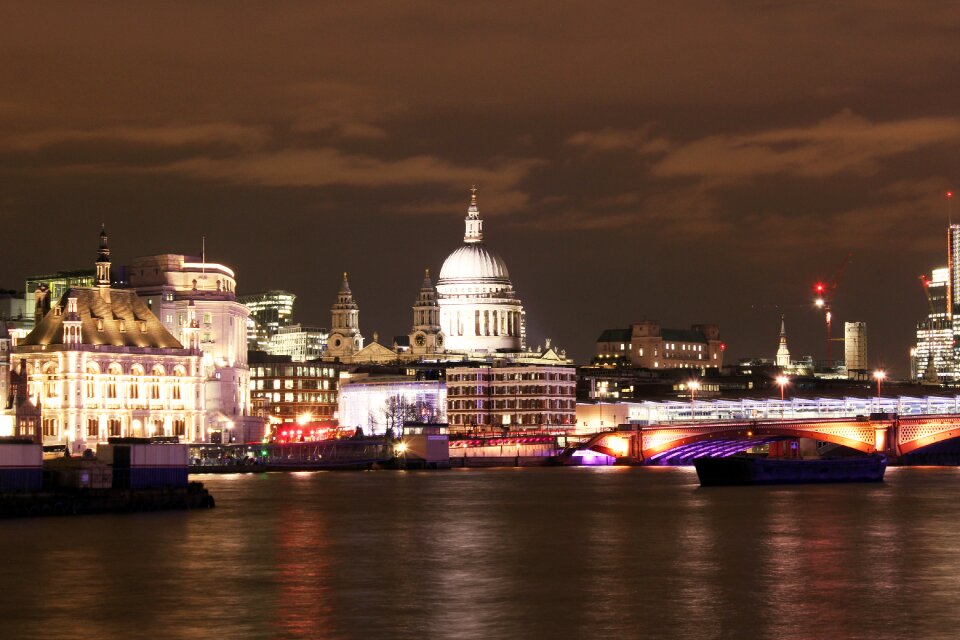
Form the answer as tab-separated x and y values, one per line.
825	290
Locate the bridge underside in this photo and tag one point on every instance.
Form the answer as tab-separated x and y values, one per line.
714	448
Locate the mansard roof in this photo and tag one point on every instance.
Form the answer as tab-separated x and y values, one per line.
124	321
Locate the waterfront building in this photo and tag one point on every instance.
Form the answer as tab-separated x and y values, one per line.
933	358
100	364
172	285
646	345
513	398
479	310
376	401
300	342
289	392
269	312
855	350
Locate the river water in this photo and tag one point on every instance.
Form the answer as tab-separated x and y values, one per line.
500	553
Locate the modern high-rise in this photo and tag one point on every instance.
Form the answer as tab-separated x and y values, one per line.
934	357
269	311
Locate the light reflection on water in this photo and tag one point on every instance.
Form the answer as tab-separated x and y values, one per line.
528	553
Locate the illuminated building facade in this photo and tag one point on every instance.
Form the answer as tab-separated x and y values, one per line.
376	403
934	358
646	345
269	312
479	310
289	392
100	364
172	285
513	398
299	342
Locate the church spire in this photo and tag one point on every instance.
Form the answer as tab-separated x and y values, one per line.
103	265
783	353
474	224
103	259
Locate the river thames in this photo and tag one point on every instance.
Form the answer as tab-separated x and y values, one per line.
500	553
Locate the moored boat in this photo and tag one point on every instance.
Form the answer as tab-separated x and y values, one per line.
744	470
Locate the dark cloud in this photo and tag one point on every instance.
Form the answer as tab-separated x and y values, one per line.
700	161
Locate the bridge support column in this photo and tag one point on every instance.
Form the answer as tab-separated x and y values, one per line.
885	439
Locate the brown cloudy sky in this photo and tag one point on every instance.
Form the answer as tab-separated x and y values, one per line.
694	161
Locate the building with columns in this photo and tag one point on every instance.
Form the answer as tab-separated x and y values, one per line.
101	364
479	310
171	285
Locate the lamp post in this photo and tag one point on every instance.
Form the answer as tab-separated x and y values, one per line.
879	375
693	386
782	381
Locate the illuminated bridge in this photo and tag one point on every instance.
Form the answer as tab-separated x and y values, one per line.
900	427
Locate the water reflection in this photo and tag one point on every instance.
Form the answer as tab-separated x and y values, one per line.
500	553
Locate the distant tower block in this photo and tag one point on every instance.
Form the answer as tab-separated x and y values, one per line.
783	353
855	349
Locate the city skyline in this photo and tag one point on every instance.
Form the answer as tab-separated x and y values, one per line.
687	173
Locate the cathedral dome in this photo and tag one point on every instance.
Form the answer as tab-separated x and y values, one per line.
473	262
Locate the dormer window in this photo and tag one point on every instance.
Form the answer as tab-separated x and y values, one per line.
99	324
123	327
143	326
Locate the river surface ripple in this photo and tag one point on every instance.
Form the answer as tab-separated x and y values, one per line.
499	553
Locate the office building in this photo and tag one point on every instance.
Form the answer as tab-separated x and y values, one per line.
269	311
515	398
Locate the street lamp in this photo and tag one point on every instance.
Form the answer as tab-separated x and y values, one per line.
782	381
879	375
693	386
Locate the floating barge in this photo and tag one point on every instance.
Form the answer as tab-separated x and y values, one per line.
126	475
743	470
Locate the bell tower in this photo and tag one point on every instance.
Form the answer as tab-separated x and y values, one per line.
426	336
345	338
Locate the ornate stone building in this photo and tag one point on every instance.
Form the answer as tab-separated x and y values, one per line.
427	335
479	310
345	339
172	284
100	364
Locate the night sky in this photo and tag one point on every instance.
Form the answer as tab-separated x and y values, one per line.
696	163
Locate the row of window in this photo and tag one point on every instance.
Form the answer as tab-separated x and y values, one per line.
325	398
292	383
114	428
290	371
536	419
528	390
501	377
467	405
